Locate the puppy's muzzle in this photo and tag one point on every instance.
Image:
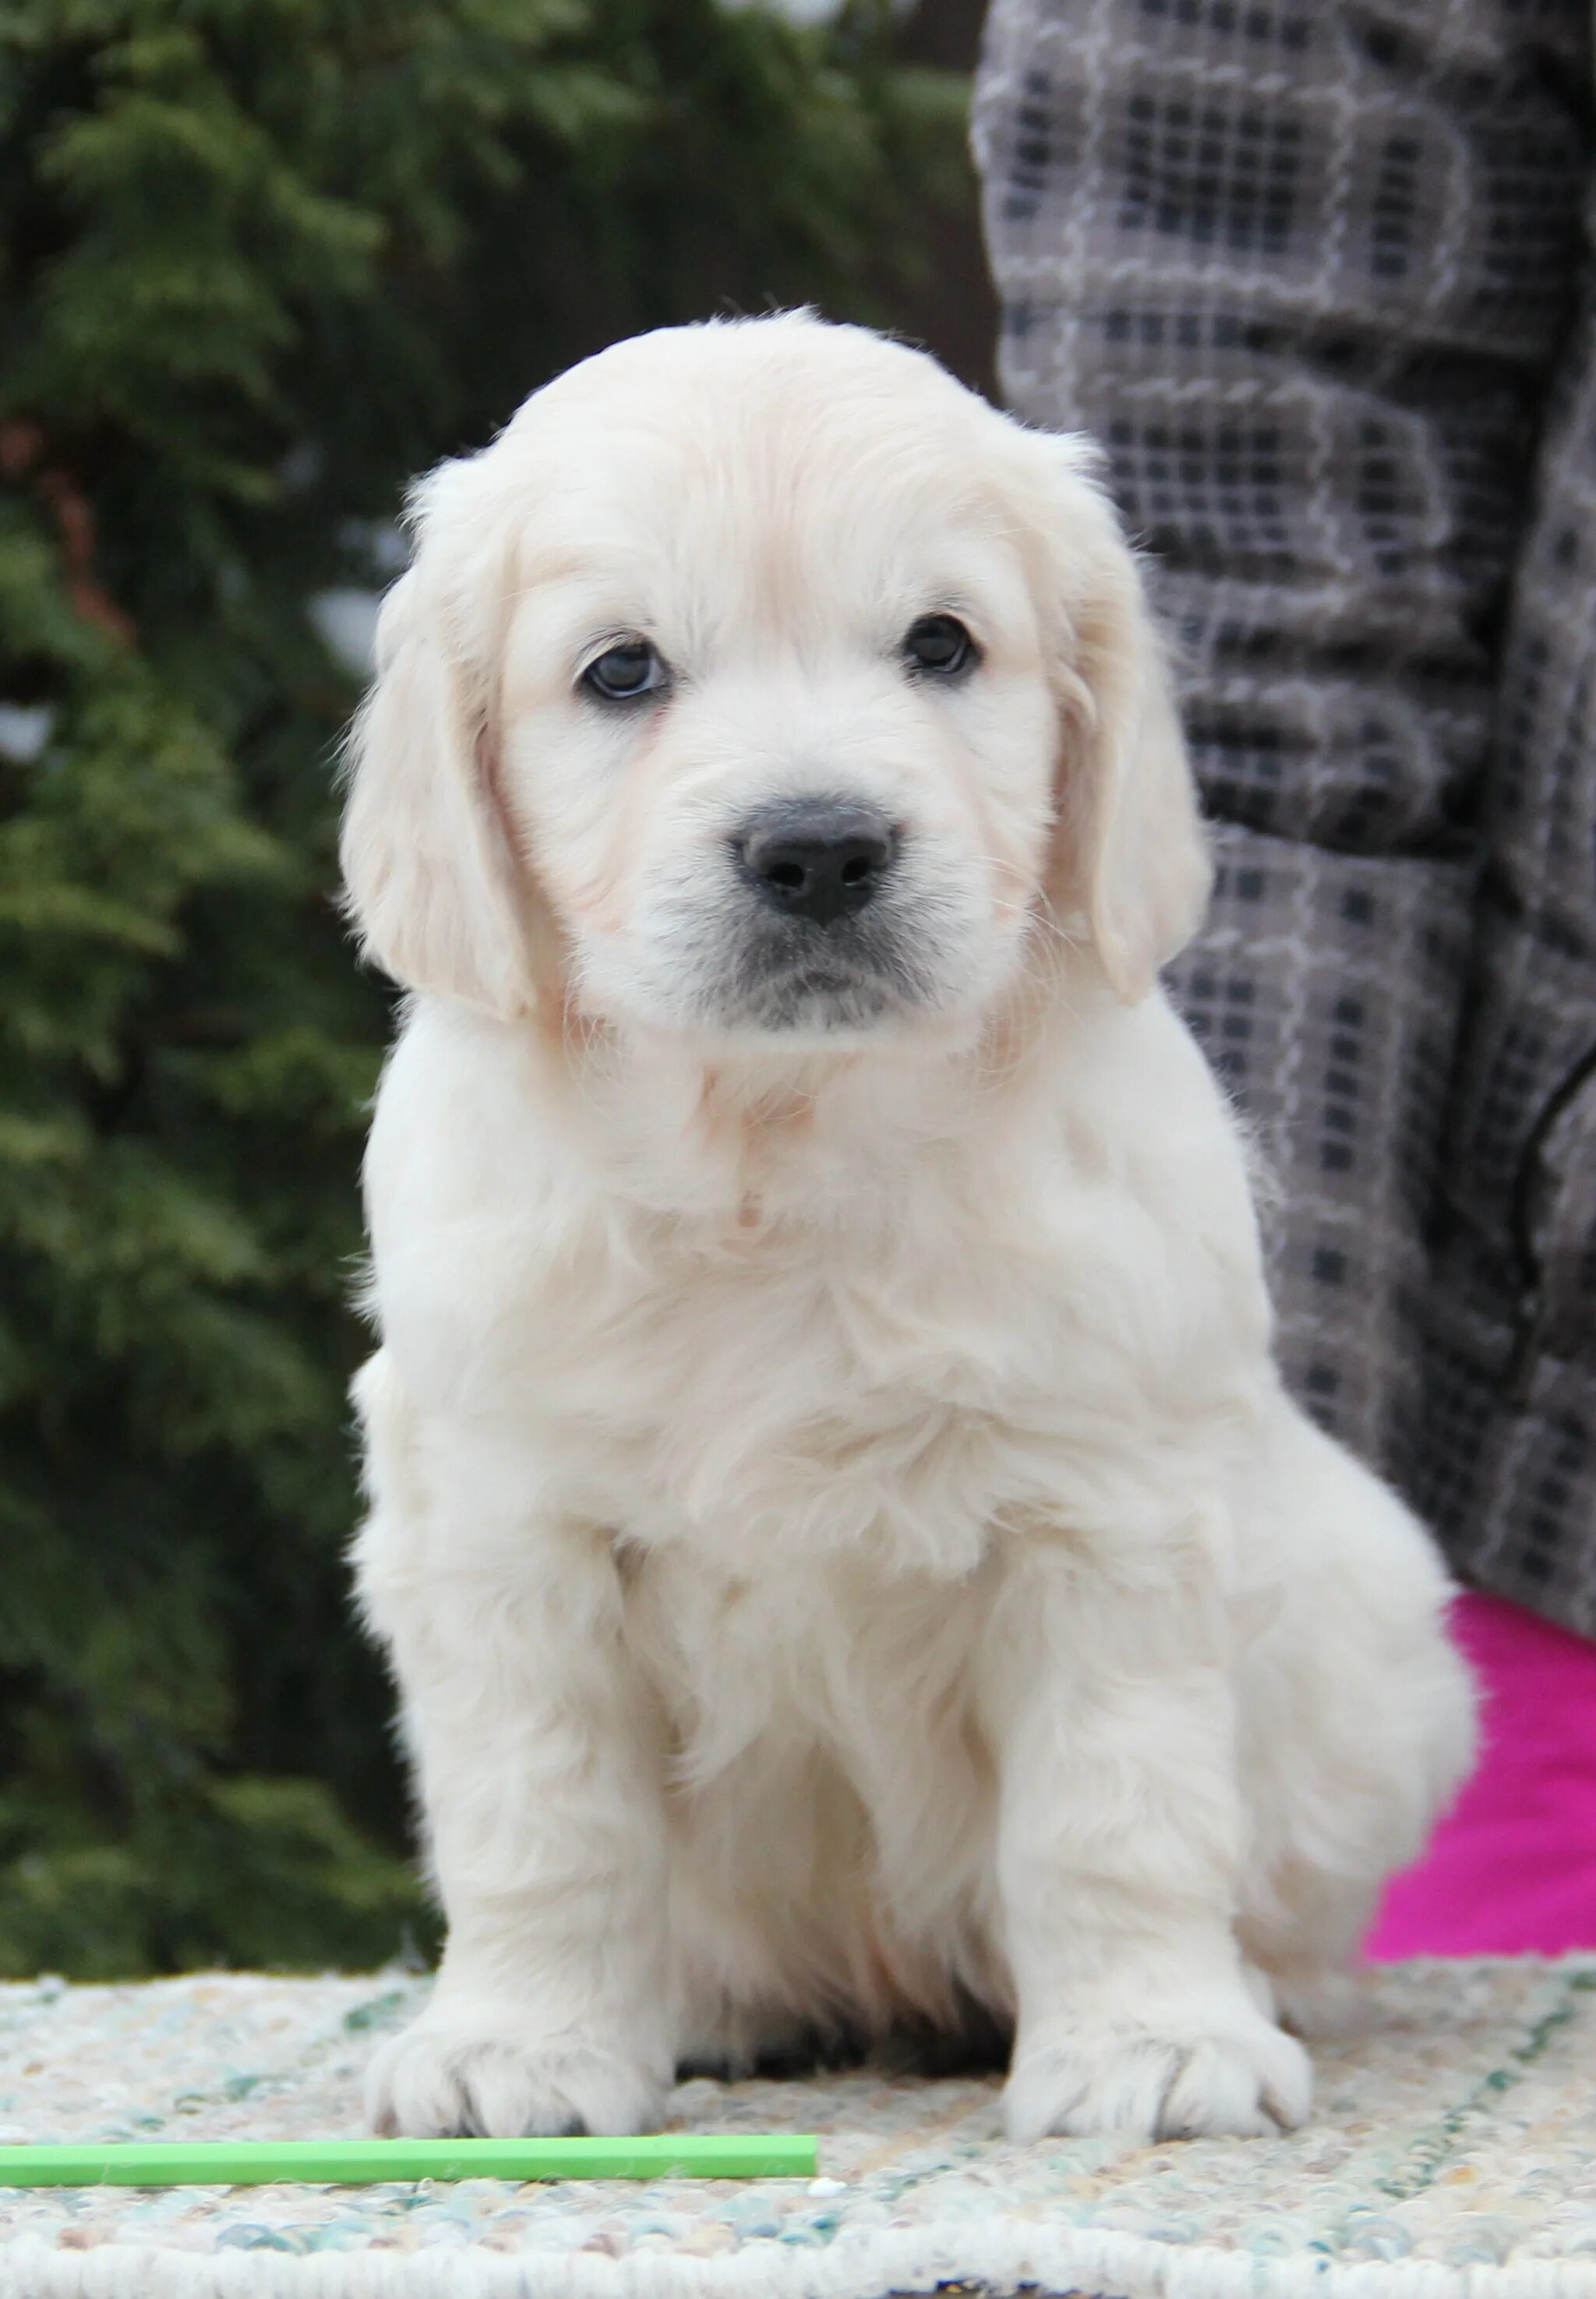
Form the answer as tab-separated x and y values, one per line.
817	860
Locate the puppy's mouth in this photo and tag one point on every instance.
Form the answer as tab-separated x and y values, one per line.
791	978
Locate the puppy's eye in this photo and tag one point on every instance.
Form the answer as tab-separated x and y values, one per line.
940	644
623	673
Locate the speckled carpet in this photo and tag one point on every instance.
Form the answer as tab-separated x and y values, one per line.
1453	2156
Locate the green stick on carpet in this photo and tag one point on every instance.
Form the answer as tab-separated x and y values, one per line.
351	2162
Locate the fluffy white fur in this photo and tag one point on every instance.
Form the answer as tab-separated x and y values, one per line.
840	1537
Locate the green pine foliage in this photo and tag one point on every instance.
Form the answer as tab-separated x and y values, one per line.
263	259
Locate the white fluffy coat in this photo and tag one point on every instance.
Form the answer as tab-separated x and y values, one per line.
842	1542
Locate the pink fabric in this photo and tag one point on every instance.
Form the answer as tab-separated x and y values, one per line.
1512	1869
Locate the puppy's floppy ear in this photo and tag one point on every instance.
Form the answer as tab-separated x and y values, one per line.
430	870
1129	848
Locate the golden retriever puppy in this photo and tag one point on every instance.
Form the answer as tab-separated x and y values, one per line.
844	1552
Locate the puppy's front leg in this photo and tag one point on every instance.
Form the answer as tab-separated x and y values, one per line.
541	1783
1119	1842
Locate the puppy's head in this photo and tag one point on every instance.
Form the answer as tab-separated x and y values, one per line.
759	682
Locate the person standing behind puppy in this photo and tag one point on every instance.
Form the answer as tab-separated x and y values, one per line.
1315	273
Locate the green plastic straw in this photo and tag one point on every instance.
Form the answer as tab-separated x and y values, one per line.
351	2162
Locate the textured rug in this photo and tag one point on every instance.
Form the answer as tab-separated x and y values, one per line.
1453	2156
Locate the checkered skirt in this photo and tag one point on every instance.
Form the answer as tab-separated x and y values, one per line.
1315	272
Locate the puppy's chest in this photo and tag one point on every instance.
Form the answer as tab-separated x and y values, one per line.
791	1400
796	1655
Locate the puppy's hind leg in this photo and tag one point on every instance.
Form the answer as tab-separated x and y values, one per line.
1357	1721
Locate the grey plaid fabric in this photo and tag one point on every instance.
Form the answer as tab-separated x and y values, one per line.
1311	270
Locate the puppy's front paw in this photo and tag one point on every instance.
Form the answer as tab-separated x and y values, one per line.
467	2081
1184	2081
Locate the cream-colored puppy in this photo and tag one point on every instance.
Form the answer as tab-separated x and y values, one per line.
844	1551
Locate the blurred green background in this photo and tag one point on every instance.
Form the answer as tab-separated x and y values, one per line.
263	259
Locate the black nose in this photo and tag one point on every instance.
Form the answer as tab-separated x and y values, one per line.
817	860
